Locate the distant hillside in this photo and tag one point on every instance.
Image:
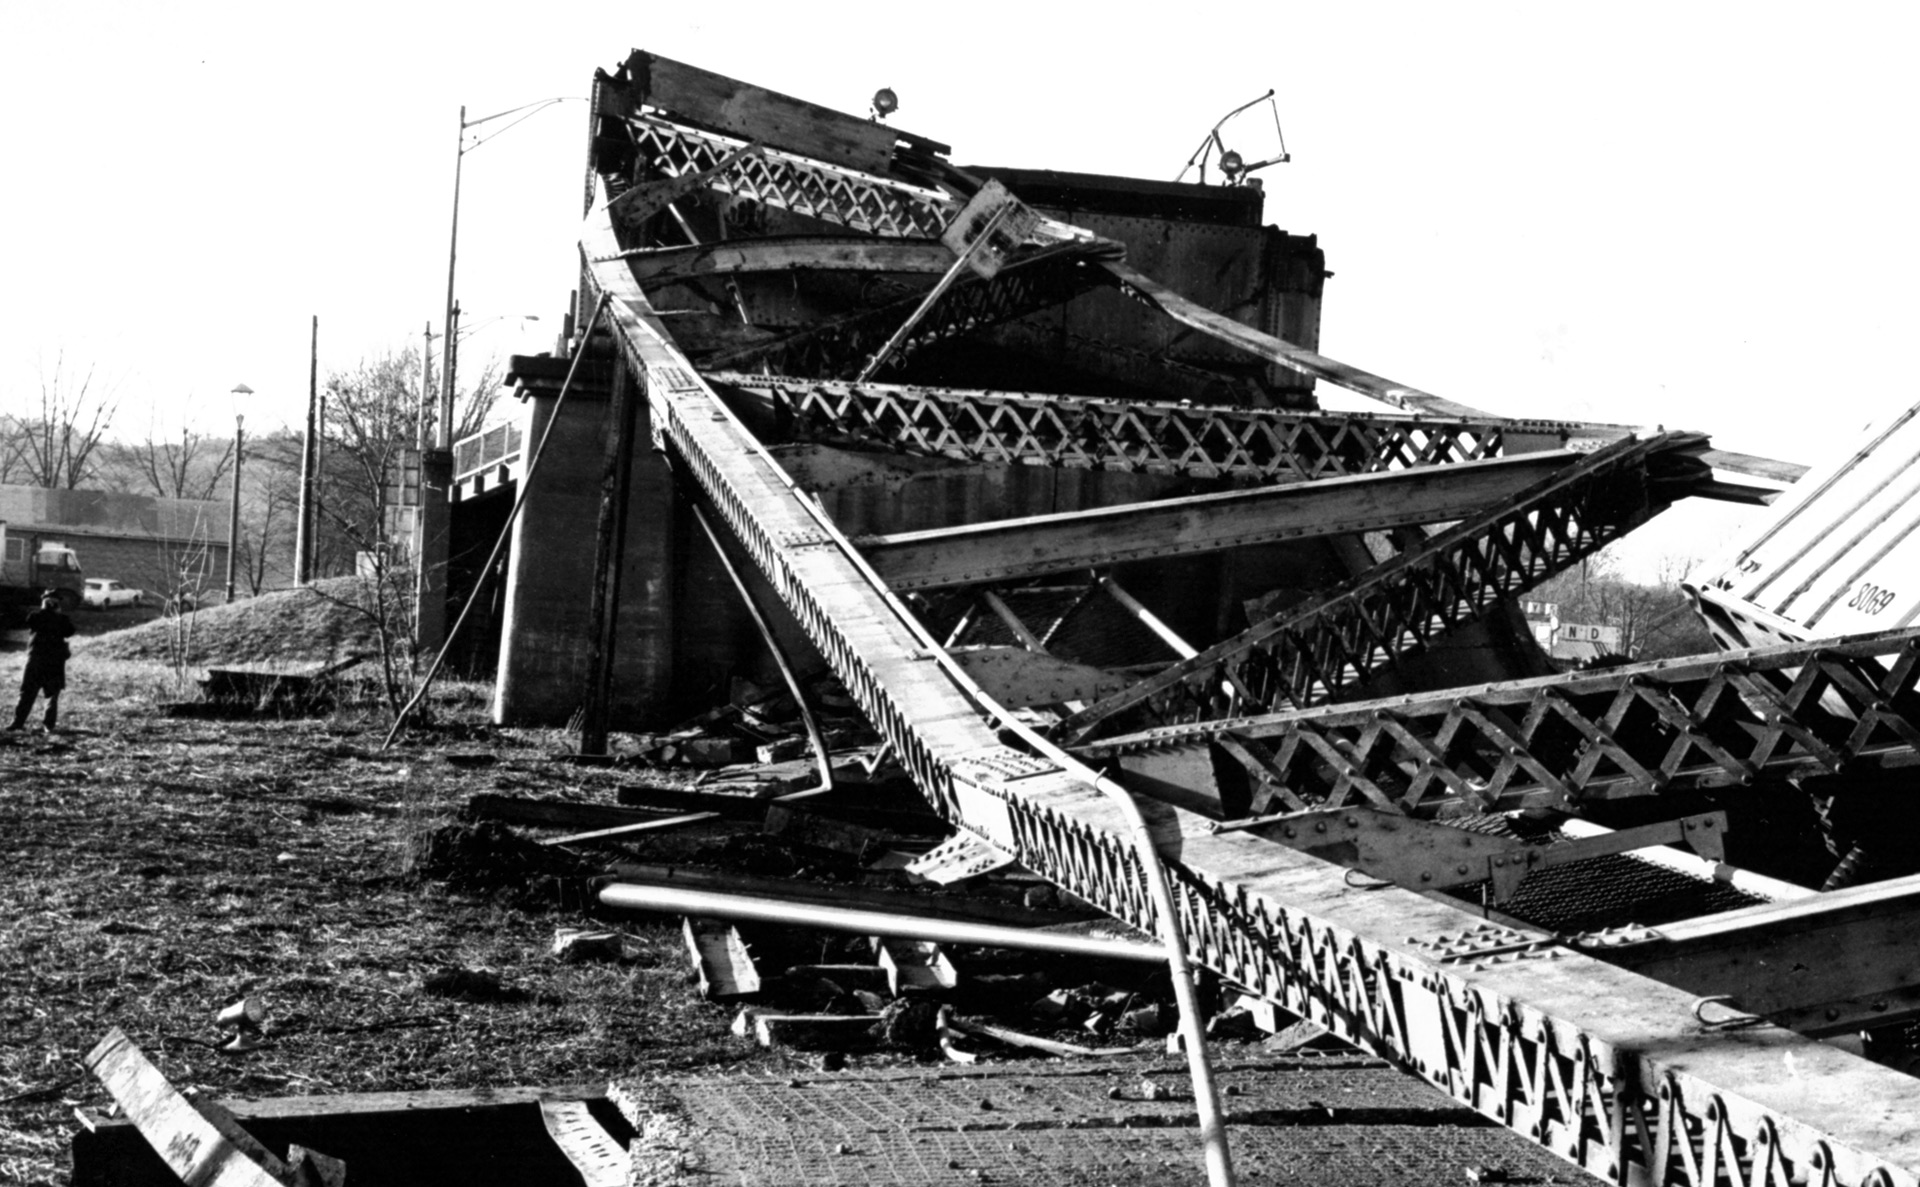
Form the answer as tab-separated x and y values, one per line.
318	625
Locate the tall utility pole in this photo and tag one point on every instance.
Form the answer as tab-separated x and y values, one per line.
443	435
233	518
303	530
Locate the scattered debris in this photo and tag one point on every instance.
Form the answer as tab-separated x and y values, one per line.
574	944
473	985
489	857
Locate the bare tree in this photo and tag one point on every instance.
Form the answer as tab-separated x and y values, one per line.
191	468
55	445
271	495
473	406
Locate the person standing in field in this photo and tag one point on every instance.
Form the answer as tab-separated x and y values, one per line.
46	663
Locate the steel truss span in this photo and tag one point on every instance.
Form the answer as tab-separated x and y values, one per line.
1157	437
1717	721
1608	1069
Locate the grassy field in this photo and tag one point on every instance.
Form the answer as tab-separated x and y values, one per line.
154	869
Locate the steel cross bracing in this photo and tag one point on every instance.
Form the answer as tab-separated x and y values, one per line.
786	182
1607	1069
1310	653
1725	720
1160	437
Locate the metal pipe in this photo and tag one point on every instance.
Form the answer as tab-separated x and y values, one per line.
506	530
1149	619
673	900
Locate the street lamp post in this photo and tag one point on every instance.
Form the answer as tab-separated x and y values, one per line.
233	519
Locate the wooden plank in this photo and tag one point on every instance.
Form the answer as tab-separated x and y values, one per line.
1034	545
757	114
200	1151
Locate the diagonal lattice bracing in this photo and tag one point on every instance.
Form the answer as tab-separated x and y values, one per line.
788	182
1163	437
1728	720
1310	654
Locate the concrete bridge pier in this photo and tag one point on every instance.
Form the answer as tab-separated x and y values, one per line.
545	668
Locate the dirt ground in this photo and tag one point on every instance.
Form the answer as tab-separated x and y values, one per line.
156	869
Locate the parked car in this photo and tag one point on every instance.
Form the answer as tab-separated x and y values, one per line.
102	593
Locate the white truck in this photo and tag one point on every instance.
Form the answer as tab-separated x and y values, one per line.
31	566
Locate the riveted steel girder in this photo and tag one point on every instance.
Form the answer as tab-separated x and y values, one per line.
1160	437
1035	545
1726	720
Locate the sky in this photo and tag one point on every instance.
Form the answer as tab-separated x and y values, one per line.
1695	215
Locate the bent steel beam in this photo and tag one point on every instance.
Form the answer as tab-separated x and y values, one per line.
1036	545
1606	1068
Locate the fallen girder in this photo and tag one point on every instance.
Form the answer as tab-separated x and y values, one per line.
1010	549
1308	654
1725	720
1607	1069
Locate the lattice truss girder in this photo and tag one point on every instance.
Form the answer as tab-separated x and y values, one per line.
1310	653
815	189
1605	1068
1727	720
1259	444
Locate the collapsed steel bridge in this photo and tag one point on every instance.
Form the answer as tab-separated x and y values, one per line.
1344	820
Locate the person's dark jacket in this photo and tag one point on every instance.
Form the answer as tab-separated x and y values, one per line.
47	650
